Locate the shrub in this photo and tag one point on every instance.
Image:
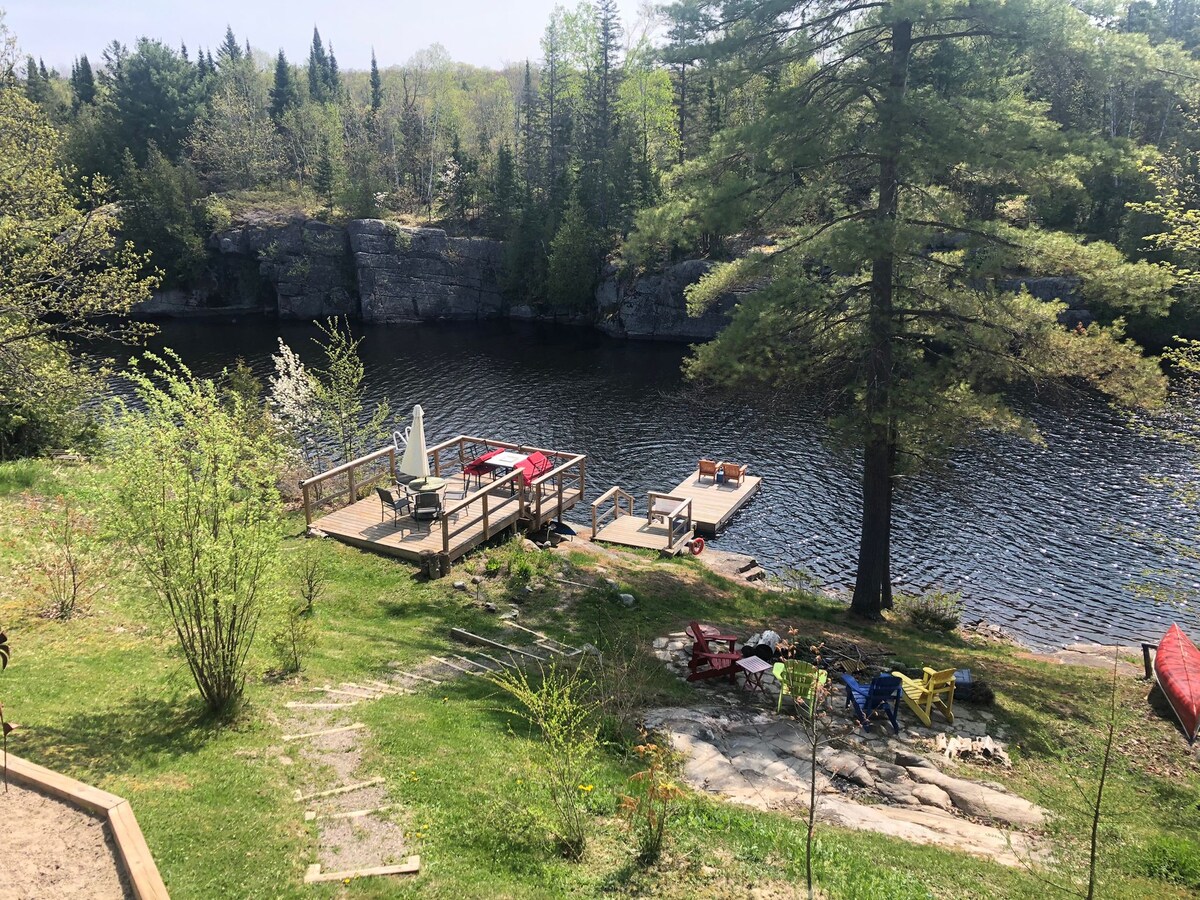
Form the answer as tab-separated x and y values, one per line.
555	701
312	579
931	611
66	566
19	476
291	639
197	506
655	796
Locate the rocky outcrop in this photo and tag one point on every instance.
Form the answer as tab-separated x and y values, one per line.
654	306
420	274
1064	289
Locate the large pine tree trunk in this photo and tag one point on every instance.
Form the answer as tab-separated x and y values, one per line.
873	583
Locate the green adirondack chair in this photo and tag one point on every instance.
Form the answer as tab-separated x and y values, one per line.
799	680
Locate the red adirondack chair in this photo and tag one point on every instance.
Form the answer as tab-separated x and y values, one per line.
707	662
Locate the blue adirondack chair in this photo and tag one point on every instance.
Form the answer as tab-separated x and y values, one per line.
883	693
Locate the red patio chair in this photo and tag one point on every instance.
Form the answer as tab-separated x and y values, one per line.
708	663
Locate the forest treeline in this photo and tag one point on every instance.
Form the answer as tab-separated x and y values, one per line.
557	155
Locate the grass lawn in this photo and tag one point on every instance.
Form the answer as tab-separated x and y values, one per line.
106	698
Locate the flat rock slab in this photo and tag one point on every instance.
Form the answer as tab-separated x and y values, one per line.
762	760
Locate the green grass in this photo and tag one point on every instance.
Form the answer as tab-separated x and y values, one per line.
106	697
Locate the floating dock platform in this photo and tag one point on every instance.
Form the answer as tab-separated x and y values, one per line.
713	503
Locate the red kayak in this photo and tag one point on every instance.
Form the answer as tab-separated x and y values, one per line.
1177	667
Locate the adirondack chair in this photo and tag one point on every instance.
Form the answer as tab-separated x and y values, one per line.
883	693
733	473
799	680
708	469
934	690
709	663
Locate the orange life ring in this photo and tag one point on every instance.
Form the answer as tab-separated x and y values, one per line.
696	546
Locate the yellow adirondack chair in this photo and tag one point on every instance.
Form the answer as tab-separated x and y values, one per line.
799	679
935	689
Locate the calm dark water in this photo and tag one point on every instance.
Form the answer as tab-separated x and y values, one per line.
1036	538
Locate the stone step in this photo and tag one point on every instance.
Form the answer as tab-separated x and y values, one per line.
758	573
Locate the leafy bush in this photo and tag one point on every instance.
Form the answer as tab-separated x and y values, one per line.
555	701
1173	859
197	505
931	611
65	565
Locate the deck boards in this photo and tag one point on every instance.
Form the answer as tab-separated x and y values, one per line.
713	505
634	531
359	524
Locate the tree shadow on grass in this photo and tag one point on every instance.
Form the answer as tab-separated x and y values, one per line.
140	733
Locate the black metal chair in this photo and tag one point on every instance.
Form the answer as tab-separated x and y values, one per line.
427	507
400	506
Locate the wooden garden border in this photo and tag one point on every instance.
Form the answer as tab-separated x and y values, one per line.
139	864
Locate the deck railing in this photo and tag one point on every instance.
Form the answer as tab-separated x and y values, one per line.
676	510
616	495
491	503
553	486
356	480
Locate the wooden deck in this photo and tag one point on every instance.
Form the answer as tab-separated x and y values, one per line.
635	531
713	505
486	511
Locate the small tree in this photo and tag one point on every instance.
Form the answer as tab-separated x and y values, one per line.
327	406
197	505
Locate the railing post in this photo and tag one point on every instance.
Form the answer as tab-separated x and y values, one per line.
307	505
392	462
437	464
593	523
445	534
486	532
582	478
353	486
559	512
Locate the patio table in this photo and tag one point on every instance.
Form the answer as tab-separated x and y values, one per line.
754	669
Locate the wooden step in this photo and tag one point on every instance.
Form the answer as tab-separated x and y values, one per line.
749	564
314	875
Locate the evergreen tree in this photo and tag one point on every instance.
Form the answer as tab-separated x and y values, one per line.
325	174
574	264
230	51
83	82
888	276
284	93
183	52
154	98
36	88
42	71
159	200
376	85
318	69
333	79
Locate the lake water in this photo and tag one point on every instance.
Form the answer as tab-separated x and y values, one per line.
1040	540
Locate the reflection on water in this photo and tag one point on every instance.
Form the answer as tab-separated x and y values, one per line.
1040	540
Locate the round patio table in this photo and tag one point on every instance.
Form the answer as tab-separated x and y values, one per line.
429	483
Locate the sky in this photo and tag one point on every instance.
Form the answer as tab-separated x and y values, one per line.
484	32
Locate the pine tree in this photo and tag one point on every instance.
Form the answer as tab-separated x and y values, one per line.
574	263
376	86
333	79
318	67
183	51
230	51
83	82
284	95
325	174
42	71
36	88
886	282
608	27
528	131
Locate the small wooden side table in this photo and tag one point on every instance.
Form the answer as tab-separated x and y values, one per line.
754	668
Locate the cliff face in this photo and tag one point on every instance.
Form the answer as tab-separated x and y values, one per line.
419	274
380	272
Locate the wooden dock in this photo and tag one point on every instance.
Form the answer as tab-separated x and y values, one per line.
713	505
671	520
488	508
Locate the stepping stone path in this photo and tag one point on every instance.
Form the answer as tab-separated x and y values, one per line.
869	780
350	807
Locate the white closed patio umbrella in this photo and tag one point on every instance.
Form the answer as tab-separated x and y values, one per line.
415	463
